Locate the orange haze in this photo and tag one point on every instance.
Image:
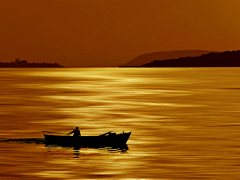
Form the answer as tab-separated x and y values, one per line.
112	32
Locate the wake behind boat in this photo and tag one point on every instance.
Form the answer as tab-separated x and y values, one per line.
106	139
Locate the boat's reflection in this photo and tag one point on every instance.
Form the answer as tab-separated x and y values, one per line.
76	149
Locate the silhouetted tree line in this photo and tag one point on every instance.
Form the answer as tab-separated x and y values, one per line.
223	59
24	63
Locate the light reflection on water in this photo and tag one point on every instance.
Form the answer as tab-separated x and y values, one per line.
184	122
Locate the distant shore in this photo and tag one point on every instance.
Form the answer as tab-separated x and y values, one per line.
24	64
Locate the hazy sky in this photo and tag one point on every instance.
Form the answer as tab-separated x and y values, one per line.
112	32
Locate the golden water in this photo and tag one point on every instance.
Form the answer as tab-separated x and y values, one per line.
184	121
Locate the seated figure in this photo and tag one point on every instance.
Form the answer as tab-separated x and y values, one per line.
76	132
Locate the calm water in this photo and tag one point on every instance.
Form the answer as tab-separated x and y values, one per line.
184	121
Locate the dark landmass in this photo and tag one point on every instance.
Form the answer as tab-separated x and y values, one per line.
223	59
23	63
147	58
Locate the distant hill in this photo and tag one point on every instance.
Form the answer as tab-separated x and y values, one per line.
223	59
147	58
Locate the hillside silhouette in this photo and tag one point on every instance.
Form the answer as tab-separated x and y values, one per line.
23	63
223	59
147	58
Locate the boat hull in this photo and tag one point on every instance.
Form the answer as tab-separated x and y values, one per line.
111	140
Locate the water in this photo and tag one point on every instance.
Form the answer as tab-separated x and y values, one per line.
184	122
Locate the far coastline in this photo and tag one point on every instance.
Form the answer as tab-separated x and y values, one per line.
25	64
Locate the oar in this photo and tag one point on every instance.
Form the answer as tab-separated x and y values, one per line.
54	132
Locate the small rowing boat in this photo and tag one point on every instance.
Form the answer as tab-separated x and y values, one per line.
106	139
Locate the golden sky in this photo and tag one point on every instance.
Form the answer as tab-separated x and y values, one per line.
113	32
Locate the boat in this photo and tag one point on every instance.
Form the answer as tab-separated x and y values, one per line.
103	140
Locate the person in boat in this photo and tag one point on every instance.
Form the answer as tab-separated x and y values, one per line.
76	132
